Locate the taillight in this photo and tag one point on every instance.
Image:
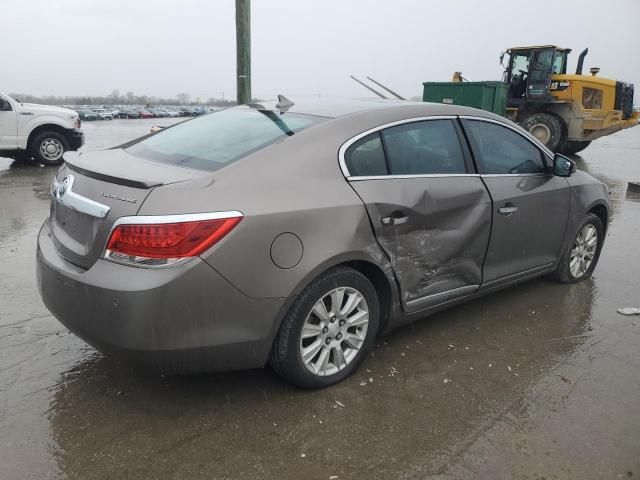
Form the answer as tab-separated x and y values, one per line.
166	240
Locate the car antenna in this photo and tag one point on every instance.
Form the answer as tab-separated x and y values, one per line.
284	104
399	97
368	87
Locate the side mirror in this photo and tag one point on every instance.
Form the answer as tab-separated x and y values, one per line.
563	166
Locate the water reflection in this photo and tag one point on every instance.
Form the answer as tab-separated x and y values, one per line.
426	390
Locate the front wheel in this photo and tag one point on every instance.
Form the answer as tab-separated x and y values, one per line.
48	148
547	128
571	147
328	330
581	255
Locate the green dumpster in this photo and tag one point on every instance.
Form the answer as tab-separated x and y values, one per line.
491	96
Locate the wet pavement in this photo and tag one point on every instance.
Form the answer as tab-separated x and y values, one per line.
540	381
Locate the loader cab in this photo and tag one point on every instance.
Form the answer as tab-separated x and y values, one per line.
529	70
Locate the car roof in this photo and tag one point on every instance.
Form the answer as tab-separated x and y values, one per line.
335	108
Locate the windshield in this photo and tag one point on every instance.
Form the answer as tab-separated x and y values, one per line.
215	140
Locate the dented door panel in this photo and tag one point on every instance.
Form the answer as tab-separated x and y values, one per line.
439	238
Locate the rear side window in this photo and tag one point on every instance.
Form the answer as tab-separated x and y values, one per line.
503	151
423	148
215	140
366	157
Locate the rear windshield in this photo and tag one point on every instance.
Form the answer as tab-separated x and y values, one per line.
215	140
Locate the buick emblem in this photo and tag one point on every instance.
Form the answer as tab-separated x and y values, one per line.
62	187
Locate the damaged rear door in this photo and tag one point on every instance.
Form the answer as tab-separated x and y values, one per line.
430	212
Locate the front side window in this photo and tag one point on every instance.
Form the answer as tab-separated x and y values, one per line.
521	64
503	151
215	140
424	148
559	63
366	157
5	105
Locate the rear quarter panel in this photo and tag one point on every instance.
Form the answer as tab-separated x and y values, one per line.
293	186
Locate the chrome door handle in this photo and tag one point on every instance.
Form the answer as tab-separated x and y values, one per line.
508	209
396	218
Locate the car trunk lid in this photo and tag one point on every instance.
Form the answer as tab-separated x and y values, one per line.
93	190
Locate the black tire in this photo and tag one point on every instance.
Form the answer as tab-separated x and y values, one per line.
549	128
563	271
572	147
286	358
48	135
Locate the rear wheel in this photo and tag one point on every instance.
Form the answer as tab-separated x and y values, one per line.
581	256
547	128
328	330
48	148
574	146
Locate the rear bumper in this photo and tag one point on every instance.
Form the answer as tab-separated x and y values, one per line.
75	137
177	320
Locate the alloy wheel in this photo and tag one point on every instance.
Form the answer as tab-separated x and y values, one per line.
583	251
334	331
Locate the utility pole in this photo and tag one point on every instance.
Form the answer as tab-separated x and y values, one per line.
243	50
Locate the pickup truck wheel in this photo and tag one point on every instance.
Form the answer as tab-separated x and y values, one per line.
547	128
48	148
581	255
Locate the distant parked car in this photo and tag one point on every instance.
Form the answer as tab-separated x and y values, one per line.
315	230
103	114
87	115
158	112
145	113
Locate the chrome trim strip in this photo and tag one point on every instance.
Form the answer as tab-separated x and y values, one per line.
150	219
391	177
442	297
352	140
179	218
63	193
492	175
519	130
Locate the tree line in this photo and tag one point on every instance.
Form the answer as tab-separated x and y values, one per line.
116	98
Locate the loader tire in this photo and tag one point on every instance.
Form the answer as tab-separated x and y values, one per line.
572	147
547	128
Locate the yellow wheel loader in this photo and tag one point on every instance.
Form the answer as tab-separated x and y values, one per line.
564	111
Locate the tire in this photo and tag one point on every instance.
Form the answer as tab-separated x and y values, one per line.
324	335
571	147
564	272
40	150
547	128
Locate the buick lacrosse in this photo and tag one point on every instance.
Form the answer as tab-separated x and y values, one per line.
292	234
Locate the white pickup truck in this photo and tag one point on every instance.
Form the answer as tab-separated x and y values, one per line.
34	131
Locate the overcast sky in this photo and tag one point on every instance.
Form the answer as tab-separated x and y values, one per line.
299	47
